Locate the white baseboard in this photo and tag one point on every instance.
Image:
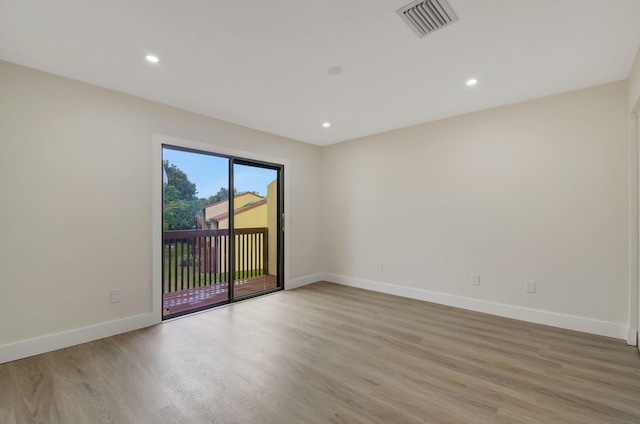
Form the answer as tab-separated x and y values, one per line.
303	281
569	322
30	347
50	342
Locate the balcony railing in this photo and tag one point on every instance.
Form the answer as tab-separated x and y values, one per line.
199	258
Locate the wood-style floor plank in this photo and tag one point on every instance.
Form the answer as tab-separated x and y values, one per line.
326	353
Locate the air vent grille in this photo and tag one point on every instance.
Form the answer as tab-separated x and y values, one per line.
427	16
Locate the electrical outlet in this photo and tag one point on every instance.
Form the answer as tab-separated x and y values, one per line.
475	279
115	295
530	286
381	266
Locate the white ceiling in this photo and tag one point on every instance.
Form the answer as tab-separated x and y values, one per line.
263	64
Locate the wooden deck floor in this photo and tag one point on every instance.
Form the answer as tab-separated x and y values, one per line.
184	300
326	353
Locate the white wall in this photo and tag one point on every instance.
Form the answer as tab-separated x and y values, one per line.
75	182
634	85
634	108
533	191
538	190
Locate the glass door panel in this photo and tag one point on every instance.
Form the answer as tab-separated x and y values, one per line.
195	249
256	226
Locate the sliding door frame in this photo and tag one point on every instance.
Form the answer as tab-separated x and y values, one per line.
235	157
280	213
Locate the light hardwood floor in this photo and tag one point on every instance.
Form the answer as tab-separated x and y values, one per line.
325	353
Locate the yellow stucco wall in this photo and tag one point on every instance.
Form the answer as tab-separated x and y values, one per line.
255	217
223	206
272	225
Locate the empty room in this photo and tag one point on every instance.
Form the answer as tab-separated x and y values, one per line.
319	212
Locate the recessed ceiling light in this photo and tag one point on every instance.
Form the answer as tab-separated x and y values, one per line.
326	124
335	70
151	58
471	82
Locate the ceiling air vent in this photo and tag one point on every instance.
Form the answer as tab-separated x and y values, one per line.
426	16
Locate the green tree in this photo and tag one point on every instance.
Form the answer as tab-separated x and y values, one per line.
180	202
184	189
222	194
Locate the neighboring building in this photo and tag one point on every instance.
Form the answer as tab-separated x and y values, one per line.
206	218
251	215
250	211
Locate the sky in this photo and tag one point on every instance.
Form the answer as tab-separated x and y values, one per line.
210	173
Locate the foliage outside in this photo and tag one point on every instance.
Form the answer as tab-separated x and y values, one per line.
180	201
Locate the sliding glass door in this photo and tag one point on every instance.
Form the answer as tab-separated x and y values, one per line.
256	226
218	247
